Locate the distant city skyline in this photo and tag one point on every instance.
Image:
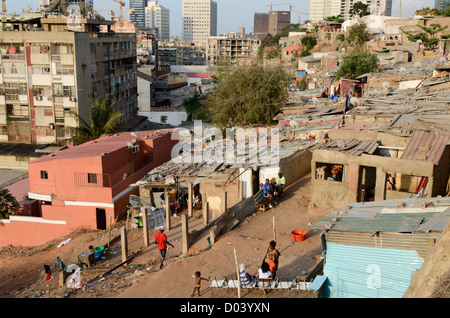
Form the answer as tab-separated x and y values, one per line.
232	14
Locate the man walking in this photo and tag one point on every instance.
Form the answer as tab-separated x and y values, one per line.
161	241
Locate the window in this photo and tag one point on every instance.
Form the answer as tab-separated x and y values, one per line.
92	178
44	175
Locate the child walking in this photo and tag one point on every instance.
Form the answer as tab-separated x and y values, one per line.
198	280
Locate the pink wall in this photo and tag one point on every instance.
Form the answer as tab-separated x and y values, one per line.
61	185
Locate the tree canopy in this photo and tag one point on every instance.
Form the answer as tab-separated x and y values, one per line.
246	95
358	35
357	63
429	35
8	204
359	9
104	120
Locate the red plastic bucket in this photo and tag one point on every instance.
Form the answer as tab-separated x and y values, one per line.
298	235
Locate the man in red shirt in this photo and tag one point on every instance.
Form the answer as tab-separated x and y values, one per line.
161	240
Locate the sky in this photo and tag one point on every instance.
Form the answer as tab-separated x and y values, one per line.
231	14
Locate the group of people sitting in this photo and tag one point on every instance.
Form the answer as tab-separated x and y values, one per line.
272	191
266	273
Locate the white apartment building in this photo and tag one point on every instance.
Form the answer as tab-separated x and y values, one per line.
199	20
158	18
319	9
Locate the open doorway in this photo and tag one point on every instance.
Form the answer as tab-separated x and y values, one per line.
101	219
367	183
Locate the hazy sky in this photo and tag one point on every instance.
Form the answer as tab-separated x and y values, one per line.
232	14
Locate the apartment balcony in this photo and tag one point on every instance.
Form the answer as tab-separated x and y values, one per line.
38	58
69	102
42	79
43	101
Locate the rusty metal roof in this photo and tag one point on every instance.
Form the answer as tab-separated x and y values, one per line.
425	146
350	146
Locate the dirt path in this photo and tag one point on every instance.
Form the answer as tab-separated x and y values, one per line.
22	275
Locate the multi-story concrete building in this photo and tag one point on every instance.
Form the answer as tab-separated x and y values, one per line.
277	21
199	20
261	23
231	47
158	18
319	9
138	15
87	186
50	65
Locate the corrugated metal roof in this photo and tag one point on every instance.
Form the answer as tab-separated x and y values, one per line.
425	146
384	216
368	272
350	146
382	222
437	223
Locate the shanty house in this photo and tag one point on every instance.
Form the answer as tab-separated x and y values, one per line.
373	250
352	170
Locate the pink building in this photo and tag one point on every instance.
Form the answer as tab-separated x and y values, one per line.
86	186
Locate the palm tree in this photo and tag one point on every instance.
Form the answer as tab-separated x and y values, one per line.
104	118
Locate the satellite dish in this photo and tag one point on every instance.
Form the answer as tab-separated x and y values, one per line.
402	70
442	59
133	135
419	41
385	85
417	65
315	100
130	145
293	124
355	101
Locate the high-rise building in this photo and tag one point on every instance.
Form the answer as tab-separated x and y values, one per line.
157	18
138	15
233	47
261	23
319	9
199	20
277	21
441	4
48	71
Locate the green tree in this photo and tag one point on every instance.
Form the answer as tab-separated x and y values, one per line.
247	95
8	204
192	106
308	42
429	35
337	18
104	120
357	63
359	9
358	35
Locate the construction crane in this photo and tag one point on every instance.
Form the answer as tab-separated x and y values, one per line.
121	4
281	4
112	12
299	15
